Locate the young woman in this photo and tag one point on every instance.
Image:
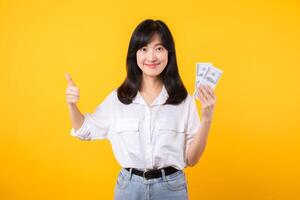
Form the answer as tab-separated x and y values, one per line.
151	121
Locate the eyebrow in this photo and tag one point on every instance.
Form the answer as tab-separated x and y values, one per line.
158	44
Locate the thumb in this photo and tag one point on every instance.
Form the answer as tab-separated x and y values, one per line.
69	79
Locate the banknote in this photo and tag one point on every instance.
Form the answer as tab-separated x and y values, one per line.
206	74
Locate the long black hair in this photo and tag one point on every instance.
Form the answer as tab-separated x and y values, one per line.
141	36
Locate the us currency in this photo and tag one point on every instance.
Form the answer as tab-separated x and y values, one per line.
206	74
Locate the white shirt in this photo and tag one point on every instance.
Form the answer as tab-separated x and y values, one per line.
142	136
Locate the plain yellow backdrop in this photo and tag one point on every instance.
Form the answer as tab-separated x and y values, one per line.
253	149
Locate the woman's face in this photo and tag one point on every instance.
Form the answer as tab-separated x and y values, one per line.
152	58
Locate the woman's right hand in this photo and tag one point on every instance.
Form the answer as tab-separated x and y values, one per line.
72	92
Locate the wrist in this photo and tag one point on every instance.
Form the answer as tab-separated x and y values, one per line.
206	120
71	105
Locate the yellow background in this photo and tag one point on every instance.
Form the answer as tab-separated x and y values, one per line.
253	149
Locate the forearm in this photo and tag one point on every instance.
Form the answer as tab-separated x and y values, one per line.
77	118
198	144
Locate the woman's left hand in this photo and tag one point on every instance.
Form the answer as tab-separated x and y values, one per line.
208	101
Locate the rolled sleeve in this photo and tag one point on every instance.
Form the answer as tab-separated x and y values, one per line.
83	132
193	124
96	125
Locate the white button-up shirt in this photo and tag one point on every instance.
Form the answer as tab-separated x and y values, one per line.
142	136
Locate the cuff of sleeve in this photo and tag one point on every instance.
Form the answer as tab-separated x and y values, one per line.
82	131
188	144
186	152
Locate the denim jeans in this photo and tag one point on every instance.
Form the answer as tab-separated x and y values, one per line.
133	187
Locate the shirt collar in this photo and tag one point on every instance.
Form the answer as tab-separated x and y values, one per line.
159	100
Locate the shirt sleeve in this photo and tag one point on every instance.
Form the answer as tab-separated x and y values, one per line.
193	124
96	125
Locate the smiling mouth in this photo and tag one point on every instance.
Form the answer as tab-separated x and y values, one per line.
152	65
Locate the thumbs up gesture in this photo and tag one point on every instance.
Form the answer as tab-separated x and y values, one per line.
72	91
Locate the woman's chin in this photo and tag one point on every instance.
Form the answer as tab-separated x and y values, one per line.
150	74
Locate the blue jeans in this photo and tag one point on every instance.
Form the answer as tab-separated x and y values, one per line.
133	187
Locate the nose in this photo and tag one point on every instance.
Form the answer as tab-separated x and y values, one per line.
151	55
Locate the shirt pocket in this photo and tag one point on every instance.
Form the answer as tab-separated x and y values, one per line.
128	132
170	125
170	135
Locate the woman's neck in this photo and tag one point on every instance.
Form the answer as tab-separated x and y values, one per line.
151	85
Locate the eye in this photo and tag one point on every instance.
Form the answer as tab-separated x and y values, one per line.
160	48
143	49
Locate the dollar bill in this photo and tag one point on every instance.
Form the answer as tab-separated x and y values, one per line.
206	74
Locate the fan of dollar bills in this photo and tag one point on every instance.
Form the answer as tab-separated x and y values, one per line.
206	74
